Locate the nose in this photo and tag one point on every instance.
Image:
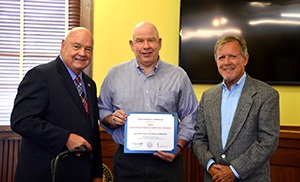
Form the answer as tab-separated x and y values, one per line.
227	60
146	45
82	52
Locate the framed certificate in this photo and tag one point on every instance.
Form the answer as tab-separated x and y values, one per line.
150	132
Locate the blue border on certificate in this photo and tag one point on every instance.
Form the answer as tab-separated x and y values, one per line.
173	151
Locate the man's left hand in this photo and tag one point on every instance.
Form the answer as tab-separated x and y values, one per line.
166	156
223	174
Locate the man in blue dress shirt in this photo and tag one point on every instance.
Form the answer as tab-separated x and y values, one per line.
147	84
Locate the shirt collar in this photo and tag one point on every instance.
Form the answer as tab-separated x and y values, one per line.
240	82
156	67
72	74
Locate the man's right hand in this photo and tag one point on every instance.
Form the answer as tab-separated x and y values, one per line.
75	140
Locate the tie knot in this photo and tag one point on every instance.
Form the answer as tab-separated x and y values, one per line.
77	79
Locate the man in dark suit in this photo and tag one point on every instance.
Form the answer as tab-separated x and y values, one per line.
238	123
50	115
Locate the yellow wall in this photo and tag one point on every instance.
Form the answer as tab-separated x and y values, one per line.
113	23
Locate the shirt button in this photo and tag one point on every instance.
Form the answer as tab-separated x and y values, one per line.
223	156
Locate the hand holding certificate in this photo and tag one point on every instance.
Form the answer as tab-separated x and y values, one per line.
150	132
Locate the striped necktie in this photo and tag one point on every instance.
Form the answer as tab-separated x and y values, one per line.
82	95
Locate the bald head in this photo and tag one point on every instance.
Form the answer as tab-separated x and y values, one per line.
142	27
79	31
145	44
77	49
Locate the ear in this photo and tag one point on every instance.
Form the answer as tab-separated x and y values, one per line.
131	45
160	43
246	60
63	42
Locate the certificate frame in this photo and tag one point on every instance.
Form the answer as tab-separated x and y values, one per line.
148	132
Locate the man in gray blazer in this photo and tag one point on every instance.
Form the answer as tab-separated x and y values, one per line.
238	124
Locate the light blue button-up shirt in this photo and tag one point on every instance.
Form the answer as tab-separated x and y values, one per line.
166	89
230	99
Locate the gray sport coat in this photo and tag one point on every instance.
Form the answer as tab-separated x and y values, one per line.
253	136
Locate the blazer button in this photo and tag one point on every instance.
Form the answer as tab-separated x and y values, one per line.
223	156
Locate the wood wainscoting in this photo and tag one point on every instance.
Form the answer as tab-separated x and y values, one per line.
10	144
285	163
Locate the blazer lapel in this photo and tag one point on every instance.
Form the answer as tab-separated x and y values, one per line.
242	110
70	87
88	88
215	113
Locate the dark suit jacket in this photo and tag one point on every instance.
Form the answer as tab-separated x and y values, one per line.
253	136
47	109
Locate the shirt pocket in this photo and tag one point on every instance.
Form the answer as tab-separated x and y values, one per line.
166	101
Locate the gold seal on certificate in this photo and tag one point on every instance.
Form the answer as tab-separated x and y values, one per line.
149	132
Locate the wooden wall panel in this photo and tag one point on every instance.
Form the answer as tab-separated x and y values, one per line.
285	163
193	172
9	150
108	148
284	173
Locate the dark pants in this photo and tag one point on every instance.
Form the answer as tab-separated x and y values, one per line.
145	168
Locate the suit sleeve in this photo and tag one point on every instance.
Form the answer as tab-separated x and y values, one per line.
97	148
267	138
30	105
200	141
